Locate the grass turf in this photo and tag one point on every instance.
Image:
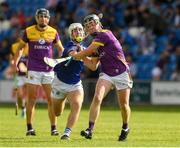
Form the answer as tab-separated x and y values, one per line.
150	126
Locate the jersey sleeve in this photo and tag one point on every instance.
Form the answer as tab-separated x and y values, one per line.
99	39
13	49
71	47
56	39
24	37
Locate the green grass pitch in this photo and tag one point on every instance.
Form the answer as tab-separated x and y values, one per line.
151	126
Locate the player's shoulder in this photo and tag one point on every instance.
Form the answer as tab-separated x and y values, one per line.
14	44
14	47
104	34
51	29
31	28
70	44
104	31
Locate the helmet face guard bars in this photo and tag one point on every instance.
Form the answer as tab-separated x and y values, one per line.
90	18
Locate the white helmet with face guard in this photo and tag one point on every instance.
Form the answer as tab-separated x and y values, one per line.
74	26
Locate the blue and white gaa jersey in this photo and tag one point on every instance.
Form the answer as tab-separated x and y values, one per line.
69	74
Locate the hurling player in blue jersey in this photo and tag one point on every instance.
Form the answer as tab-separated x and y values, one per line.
67	83
114	72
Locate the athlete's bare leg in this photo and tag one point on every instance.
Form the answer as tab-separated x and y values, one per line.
59	105
47	90
21	99
31	100
75	99
102	88
123	99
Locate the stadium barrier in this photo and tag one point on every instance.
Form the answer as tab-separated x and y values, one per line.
165	93
143	92
8	92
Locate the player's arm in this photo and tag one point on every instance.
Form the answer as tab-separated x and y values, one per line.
92	48
9	72
11	59
19	52
91	62
60	47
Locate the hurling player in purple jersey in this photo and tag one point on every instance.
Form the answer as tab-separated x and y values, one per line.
115	72
40	39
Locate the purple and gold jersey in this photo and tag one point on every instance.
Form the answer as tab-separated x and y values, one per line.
110	53
40	46
24	57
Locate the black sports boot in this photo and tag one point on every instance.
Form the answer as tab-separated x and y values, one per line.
87	133
54	133
123	135
31	132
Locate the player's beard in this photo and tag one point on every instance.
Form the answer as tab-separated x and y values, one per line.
42	26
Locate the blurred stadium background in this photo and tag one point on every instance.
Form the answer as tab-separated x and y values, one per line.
149	31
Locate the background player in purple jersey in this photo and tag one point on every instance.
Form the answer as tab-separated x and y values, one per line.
19	78
67	82
115	72
40	39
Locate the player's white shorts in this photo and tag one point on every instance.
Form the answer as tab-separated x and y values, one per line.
21	80
61	89
39	78
120	82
